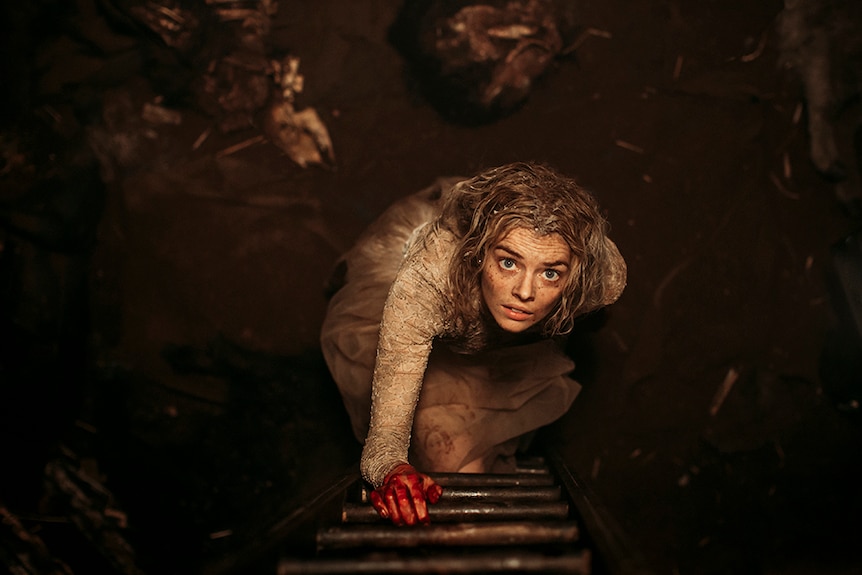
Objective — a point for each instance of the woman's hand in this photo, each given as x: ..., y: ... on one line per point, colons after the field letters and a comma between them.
x: 404, y: 496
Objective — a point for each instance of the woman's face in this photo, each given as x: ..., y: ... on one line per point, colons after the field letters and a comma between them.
x: 523, y: 277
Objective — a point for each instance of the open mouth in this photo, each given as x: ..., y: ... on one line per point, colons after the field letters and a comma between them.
x: 516, y: 313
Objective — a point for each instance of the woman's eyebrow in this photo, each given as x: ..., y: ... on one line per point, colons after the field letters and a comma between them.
x: 558, y: 263
x: 508, y: 250
x: 516, y: 255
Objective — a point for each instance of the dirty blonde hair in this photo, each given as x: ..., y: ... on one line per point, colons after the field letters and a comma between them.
x: 481, y: 210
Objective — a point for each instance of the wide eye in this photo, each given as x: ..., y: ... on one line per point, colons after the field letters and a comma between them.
x: 507, y: 263
x: 551, y: 275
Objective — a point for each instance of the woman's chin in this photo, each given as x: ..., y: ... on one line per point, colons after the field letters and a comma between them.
x: 514, y: 326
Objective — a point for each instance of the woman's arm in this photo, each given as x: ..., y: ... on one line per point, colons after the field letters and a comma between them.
x: 412, y: 317
x: 405, y: 339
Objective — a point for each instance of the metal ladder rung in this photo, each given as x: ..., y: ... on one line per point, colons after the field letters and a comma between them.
x: 447, y: 512
x: 576, y: 563
x: 457, y: 534
x: 532, y: 466
x: 523, y: 461
x: 493, y: 493
x: 493, y: 479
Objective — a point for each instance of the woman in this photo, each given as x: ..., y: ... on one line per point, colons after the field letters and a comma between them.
x: 444, y: 336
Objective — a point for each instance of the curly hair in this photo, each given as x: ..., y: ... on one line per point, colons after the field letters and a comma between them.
x: 480, y: 210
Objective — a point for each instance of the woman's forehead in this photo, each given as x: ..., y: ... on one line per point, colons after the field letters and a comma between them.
x: 529, y: 242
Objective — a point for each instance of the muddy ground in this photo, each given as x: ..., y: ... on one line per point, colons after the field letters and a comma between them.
x: 183, y: 338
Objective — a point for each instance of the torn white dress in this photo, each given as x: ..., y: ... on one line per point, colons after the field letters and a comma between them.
x: 388, y: 345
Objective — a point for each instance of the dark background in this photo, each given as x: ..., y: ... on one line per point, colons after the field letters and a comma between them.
x: 161, y: 311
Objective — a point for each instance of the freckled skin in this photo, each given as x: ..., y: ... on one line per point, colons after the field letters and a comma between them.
x: 523, y: 277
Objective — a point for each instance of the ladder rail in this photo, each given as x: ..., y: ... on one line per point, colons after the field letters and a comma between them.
x: 617, y: 551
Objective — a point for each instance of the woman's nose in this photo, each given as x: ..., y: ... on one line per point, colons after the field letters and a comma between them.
x: 524, y: 288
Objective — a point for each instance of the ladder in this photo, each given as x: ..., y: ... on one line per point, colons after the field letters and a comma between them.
x: 540, y: 519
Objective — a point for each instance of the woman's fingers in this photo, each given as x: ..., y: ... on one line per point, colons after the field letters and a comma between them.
x: 406, y: 502
x: 433, y: 492
x: 379, y: 505
x: 417, y: 497
x: 404, y: 496
x: 393, y: 505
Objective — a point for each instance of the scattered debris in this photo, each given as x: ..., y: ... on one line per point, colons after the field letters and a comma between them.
x: 12, y: 157
x: 820, y: 41
x: 723, y: 390
x: 286, y: 75
x: 91, y: 508
x: 629, y: 146
x: 302, y: 135
x: 757, y: 51
x: 241, y: 79
x: 241, y: 146
x: 782, y: 188
x: 201, y: 139
x: 24, y: 552
x: 155, y: 113
x: 478, y: 62
x: 677, y: 68
x: 788, y: 169
x: 583, y: 36
x: 233, y: 89
x: 176, y: 26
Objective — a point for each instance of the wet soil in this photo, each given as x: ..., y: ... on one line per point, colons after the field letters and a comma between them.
x: 204, y: 403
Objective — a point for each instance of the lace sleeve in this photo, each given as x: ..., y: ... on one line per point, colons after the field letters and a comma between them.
x: 412, y: 317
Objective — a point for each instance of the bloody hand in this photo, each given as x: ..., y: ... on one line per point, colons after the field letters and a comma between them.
x: 404, y: 496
